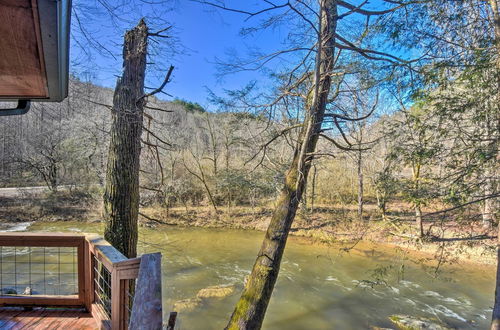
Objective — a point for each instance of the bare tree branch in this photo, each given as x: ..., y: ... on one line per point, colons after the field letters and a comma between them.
x: 159, y: 89
x: 248, y: 13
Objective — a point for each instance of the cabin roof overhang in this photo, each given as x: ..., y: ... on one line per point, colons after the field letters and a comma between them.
x: 34, y: 43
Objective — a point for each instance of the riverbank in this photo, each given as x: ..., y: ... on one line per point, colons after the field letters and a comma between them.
x: 448, y: 242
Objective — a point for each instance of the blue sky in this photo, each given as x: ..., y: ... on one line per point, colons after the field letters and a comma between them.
x: 203, y: 34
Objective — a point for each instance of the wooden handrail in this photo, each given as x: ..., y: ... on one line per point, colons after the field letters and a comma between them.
x: 92, y: 249
x: 122, y: 270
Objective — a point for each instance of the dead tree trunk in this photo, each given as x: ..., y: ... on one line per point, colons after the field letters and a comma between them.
x: 251, y: 308
x: 121, y: 196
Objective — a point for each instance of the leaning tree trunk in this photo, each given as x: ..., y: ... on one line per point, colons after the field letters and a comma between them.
x: 495, y: 322
x: 121, y: 196
x: 251, y: 308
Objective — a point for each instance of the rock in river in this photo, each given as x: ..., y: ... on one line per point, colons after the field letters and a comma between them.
x: 186, y: 304
x: 406, y: 322
x: 218, y: 291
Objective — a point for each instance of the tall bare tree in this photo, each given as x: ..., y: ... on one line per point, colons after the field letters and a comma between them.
x: 121, y: 196
x: 317, y: 86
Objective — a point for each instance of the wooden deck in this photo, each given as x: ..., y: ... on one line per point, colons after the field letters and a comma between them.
x: 83, y: 272
x: 42, y: 318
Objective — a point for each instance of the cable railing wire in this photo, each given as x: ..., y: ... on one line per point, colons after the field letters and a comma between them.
x: 31, y: 271
x: 102, y: 286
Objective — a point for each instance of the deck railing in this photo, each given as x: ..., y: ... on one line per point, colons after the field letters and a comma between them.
x: 79, y: 270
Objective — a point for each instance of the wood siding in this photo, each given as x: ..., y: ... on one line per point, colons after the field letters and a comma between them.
x: 22, y: 69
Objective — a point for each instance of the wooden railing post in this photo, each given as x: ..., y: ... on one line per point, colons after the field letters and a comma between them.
x: 147, y: 308
x: 89, y: 277
x: 121, y: 271
x: 116, y: 300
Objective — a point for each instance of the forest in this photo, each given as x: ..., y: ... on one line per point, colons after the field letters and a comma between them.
x: 413, y: 158
x: 374, y: 121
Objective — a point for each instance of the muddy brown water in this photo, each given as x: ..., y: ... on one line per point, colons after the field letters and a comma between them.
x: 319, y: 286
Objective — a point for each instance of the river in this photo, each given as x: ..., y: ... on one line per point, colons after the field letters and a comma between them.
x: 319, y: 286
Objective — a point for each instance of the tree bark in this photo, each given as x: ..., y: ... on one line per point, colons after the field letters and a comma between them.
x: 313, y: 188
x: 359, y: 164
x: 488, y: 214
x: 418, y: 220
x: 53, y: 176
x: 495, y: 321
x: 496, y: 27
x: 491, y: 204
x: 381, y: 203
x: 203, y: 180
x: 121, y: 196
x: 251, y: 308
x: 418, y: 209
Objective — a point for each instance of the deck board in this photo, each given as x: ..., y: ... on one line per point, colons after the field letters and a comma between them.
x: 43, y: 318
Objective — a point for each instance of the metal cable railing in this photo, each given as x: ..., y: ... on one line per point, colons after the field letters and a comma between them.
x: 80, y: 270
x: 129, y: 302
x: 103, y: 291
x: 31, y: 271
x: 102, y: 287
